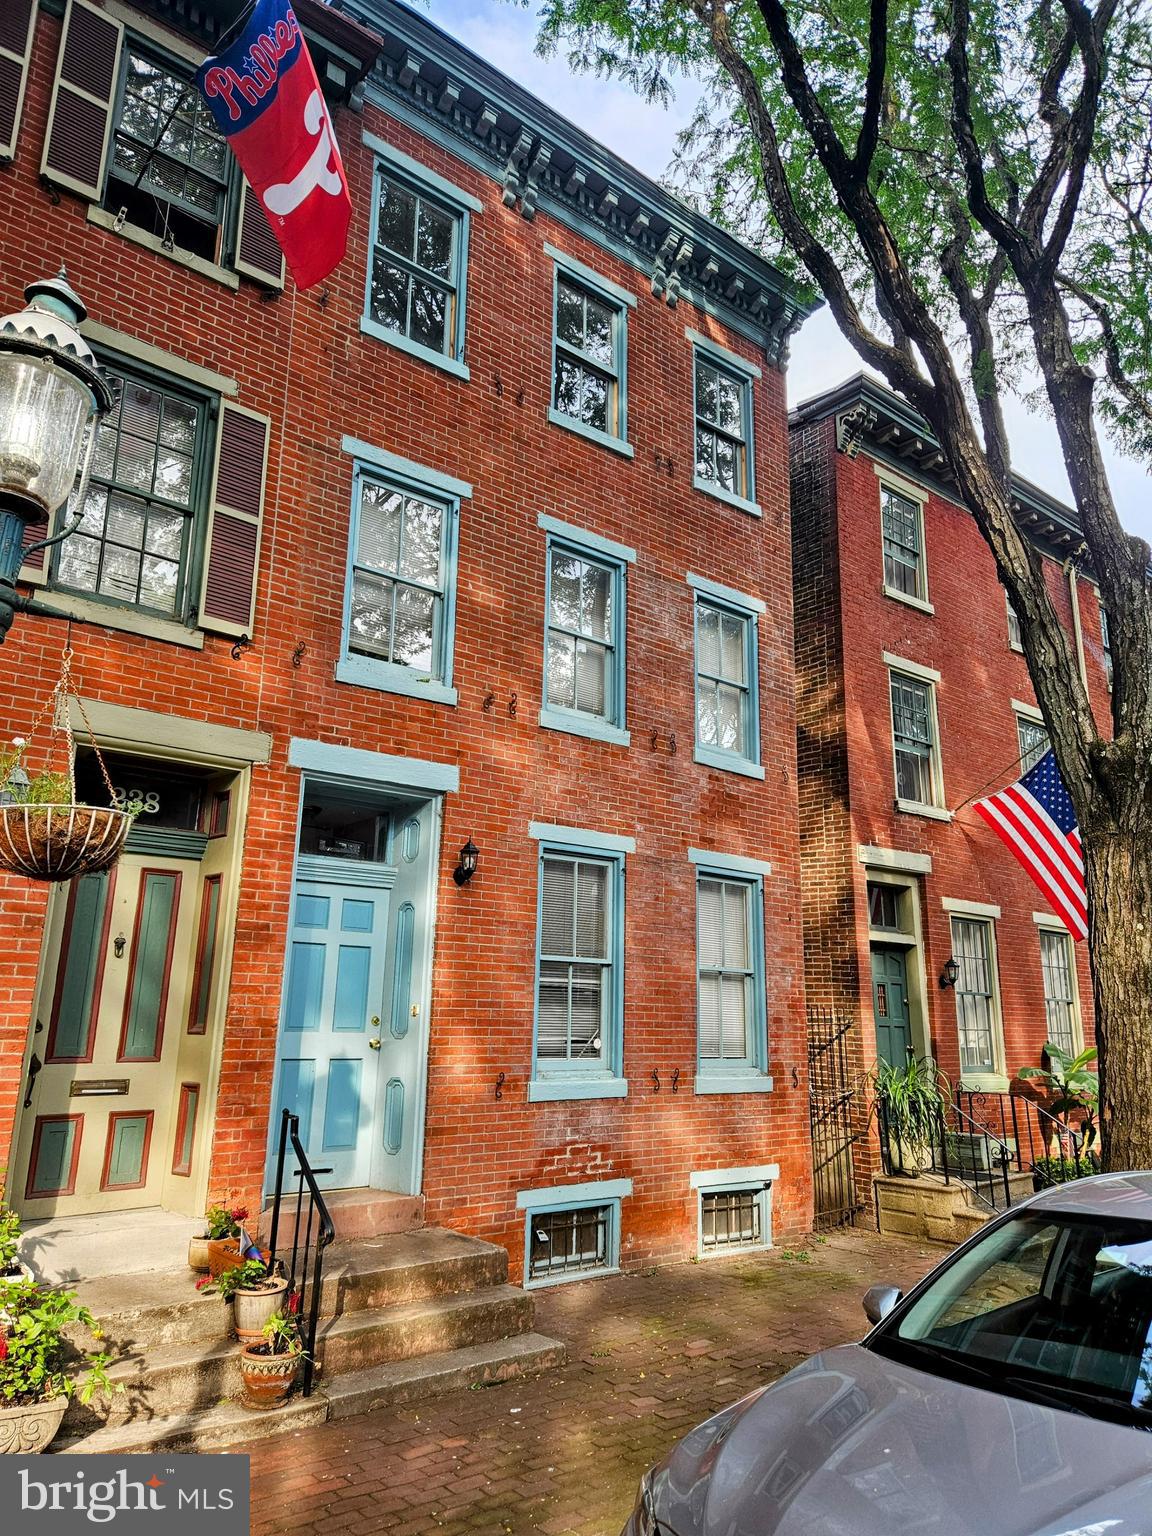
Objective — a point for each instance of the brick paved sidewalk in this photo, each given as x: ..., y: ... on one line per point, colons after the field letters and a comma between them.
x: 651, y: 1354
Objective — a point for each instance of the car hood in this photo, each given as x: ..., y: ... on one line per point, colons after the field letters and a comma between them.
x: 852, y: 1444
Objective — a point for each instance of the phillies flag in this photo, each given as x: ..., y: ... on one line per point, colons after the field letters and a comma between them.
x: 263, y: 92
x: 1035, y: 818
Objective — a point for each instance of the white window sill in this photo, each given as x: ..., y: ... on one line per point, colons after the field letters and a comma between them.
x: 706, y: 1255
x: 543, y: 1282
x: 550, y: 1089
x: 403, y: 343
x: 908, y: 600
x: 1012, y: 646
x: 914, y: 808
x: 718, y: 493
x: 218, y: 274
x: 983, y: 1082
x: 585, y: 725
x: 728, y: 763
x: 129, y: 620
x: 384, y: 677
x: 733, y: 1082
x: 593, y: 434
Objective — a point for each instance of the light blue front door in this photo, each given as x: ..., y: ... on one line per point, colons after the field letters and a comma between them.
x: 329, y: 1049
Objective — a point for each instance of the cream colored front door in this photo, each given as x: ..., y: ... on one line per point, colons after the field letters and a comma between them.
x: 106, y: 1119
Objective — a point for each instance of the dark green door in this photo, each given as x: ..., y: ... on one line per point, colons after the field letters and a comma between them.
x: 890, y: 1004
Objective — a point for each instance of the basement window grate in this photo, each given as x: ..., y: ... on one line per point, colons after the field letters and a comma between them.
x: 569, y: 1242
x: 730, y: 1218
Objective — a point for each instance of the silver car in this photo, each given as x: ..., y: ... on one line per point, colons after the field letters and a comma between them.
x: 1009, y: 1394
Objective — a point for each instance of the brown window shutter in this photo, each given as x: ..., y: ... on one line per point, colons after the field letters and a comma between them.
x: 34, y: 571
x: 17, y: 24
x: 79, y: 120
x: 228, y: 593
x: 257, y: 253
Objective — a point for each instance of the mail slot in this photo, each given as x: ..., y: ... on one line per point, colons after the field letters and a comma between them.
x: 96, y: 1087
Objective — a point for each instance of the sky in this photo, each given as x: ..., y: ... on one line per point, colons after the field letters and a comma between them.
x: 505, y: 34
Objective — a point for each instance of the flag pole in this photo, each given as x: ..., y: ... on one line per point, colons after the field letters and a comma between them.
x: 997, y: 778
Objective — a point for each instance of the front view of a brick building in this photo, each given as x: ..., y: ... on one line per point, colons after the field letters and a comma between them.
x: 485, y: 540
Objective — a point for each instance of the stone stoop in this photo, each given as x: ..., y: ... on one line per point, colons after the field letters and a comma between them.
x: 403, y: 1317
x: 928, y: 1209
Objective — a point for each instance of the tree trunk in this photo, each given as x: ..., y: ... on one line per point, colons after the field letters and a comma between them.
x: 1118, y: 863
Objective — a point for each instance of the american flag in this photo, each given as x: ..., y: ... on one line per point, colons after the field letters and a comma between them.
x: 1035, y: 818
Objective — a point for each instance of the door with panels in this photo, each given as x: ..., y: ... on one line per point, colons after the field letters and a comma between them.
x: 890, y: 1005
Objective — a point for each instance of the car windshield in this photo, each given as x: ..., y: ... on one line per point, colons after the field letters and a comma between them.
x: 1053, y: 1307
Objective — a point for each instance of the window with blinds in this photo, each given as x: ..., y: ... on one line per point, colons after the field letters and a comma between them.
x: 723, y: 681
x: 977, y: 1007
x: 727, y: 1009
x: 1060, y: 1000
x: 398, y: 579
x: 1032, y: 736
x: 576, y: 985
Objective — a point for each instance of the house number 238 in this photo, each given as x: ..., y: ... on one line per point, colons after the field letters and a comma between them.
x: 149, y: 802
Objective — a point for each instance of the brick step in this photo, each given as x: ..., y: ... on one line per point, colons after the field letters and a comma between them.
x: 382, y: 1386
x: 410, y: 1266
x: 360, y: 1339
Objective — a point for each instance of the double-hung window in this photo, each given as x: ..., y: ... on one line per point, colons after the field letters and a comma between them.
x: 902, y: 524
x: 1032, y: 737
x: 914, y: 741
x: 727, y: 665
x: 723, y: 452
x: 148, y: 479
x: 731, y: 1038
x: 584, y: 665
x: 1015, y: 637
x: 580, y: 962
x: 400, y: 603
x: 1061, y: 999
x: 589, y: 368
x: 418, y: 263
x: 977, y: 996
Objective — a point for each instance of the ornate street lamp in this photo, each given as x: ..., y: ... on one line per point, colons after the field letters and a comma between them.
x: 52, y: 397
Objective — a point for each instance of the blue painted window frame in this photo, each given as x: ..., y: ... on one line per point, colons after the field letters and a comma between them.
x: 748, y: 762
x: 433, y: 189
x: 373, y: 672
x: 750, y: 1073
x: 558, y: 1079
x: 580, y: 277
x: 581, y: 1196
x: 724, y: 363
x: 611, y: 726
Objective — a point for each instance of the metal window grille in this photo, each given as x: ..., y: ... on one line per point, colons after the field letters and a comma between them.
x: 723, y: 692
x: 730, y: 1218
x: 1033, y: 739
x: 581, y: 634
x: 132, y: 542
x: 569, y: 1242
x: 397, y: 610
x: 913, y: 740
x: 722, y: 415
x: 903, y: 554
x: 975, y: 993
x: 575, y: 983
x: 726, y: 969
x: 588, y: 333
x: 1059, y: 989
x: 415, y: 266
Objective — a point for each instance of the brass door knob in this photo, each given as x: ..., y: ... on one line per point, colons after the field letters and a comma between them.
x: 374, y: 1043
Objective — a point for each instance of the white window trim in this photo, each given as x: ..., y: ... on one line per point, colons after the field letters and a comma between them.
x: 908, y: 488
x: 914, y: 669
x: 963, y: 908
x: 1054, y: 925
x: 1029, y: 711
x: 910, y: 492
x: 1050, y: 920
x: 995, y: 1081
x: 938, y: 812
x: 1013, y: 645
x: 895, y: 858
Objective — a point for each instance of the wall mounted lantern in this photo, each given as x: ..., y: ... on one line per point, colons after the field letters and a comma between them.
x: 52, y: 398
x: 467, y: 863
x: 950, y: 974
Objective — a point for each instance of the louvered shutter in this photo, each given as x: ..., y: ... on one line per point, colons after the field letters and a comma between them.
x: 80, y: 117
x: 257, y: 253
x: 17, y: 24
x: 33, y: 573
x: 228, y: 592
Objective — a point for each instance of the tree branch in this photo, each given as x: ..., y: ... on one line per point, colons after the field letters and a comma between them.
x: 873, y: 89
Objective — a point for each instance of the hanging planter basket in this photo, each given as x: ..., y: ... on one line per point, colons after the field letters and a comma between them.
x: 45, y: 834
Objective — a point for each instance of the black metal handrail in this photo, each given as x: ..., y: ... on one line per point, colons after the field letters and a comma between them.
x: 1050, y: 1149
x: 984, y: 1170
x: 304, y: 1290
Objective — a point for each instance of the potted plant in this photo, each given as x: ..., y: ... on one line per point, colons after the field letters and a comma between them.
x: 255, y: 1296
x: 34, y: 1388
x: 223, y: 1240
x: 1072, y: 1092
x: 12, y: 1271
x: 269, y: 1367
x: 46, y: 833
x: 909, y: 1099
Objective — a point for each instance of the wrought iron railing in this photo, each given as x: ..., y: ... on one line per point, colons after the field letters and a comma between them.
x: 304, y: 1286
x: 1052, y: 1150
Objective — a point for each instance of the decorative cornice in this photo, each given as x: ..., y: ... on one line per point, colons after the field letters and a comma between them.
x: 430, y: 81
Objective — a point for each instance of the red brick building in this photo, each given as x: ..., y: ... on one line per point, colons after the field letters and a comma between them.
x: 485, y: 540
x: 913, y: 699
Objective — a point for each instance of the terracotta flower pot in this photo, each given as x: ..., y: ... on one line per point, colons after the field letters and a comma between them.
x: 198, y: 1252
x: 59, y: 842
x: 30, y: 1427
x: 223, y: 1253
x: 268, y: 1379
x: 251, y: 1309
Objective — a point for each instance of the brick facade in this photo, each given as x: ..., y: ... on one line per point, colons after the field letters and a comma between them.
x: 303, y: 361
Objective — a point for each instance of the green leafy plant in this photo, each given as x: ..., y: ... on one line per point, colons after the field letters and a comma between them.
x: 910, y: 1096
x: 22, y: 788
x: 1061, y: 1170
x: 1072, y: 1091
x: 251, y: 1275
x: 10, y: 1233
x: 35, y: 1351
x: 224, y: 1221
x: 282, y: 1336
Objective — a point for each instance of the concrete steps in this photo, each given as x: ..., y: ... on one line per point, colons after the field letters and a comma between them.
x: 403, y: 1317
